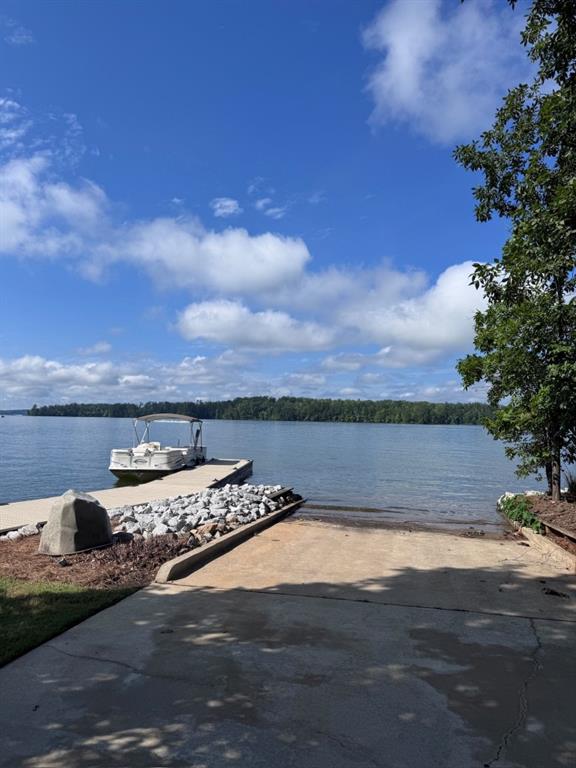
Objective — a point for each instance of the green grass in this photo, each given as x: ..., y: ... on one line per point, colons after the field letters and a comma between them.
x: 517, y: 508
x: 32, y: 612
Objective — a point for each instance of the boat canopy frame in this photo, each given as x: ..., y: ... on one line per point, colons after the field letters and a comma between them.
x: 195, y: 435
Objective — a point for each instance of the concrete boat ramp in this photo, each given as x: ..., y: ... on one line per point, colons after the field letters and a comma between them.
x: 314, y: 645
x: 211, y: 474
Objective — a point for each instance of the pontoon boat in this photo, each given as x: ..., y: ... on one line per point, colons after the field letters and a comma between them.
x: 149, y: 459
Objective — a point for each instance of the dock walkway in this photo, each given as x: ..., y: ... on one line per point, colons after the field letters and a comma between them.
x: 212, y: 474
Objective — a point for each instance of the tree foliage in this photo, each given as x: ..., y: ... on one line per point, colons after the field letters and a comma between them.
x: 288, y: 409
x: 526, y: 338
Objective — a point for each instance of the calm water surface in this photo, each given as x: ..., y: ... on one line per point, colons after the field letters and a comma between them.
x: 418, y: 473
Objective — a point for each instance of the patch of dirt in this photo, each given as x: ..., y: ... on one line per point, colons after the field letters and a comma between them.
x: 131, y: 564
x: 560, y: 514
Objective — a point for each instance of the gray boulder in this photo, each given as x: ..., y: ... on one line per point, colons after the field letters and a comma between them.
x: 160, y: 529
x: 76, y: 522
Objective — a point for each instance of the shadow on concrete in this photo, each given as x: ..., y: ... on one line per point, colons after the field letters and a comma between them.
x: 310, y: 675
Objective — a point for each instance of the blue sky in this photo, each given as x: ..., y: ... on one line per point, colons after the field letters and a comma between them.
x: 214, y: 199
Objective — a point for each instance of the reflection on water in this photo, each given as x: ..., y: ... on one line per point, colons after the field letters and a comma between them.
x: 453, y: 474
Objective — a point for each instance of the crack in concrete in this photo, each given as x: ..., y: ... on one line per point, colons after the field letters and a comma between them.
x: 522, y: 700
x: 350, y: 746
x: 371, y: 601
x: 124, y: 664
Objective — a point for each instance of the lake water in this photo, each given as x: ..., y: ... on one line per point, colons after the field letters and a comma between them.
x: 446, y: 474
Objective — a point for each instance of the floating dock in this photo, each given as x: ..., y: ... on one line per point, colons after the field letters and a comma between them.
x: 211, y: 474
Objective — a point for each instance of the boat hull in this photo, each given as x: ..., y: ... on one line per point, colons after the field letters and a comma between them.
x: 149, y: 464
x: 141, y: 475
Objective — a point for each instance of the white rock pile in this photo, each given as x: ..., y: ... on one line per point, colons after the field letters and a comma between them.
x: 21, y: 533
x: 226, y: 508
x: 204, y: 515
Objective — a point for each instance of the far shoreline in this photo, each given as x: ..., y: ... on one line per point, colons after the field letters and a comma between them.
x: 289, y: 409
x: 271, y: 421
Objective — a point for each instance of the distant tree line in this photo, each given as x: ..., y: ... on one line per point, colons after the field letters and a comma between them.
x: 289, y: 409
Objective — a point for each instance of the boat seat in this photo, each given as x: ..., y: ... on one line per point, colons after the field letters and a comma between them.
x: 145, y: 447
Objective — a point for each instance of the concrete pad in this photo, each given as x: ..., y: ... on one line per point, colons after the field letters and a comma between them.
x: 303, y: 663
x: 396, y: 567
x: 183, y: 565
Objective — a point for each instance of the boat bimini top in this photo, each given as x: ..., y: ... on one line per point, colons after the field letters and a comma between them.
x: 195, y: 435
x: 166, y: 417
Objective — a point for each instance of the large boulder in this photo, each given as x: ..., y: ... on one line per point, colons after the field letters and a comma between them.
x: 76, y: 522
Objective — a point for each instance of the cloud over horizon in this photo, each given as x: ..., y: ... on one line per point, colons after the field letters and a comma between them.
x: 45, y: 217
x: 33, y: 379
x: 248, y: 296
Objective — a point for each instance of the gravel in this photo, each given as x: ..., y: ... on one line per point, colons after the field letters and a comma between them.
x: 205, y: 515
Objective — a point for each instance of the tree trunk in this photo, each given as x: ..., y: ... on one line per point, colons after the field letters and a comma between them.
x: 556, y: 474
x: 549, y: 477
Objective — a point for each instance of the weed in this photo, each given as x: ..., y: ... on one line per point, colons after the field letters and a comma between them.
x: 517, y: 508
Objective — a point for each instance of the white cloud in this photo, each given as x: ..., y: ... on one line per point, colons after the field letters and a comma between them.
x: 224, y: 207
x: 265, y: 204
x: 181, y: 252
x: 232, y: 323
x: 445, y: 391
x: 350, y: 392
x: 259, y: 186
x: 335, y: 288
x: 32, y: 375
x: 413, y: 323
x: 81, y: 207
x: 370, y: 378
x: 313, y: 380
x: 397, y: 310
x: 56, y: 135
x: 342, y: 362
x: 317, y: 197
x: 432, y: 323
x: 252, y: 282
x: 136, y: 381
x: 14, y: 33
x: 99, y: 348
x: 46, y: 218
x: 35, y: 379
x: 445, y: 65
x: 277, y: 212
x: 14, y: 123
x: 32, y: 378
